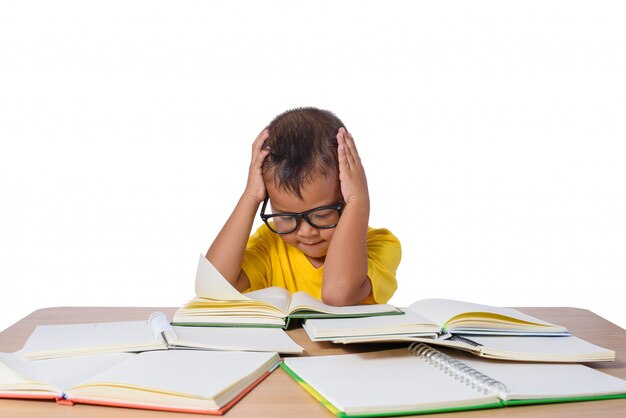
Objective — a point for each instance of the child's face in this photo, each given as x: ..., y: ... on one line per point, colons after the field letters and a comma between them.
x: 313, y: 242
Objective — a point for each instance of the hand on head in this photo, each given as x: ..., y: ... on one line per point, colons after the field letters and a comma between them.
x: 351, y: 172
x: 255, y: 187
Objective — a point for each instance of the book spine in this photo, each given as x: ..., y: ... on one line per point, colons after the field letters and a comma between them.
x: 458, y: 370
x: 63, y: 400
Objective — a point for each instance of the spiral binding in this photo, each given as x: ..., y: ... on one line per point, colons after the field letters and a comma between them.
x: 456, y: 337
x: 458, y: 370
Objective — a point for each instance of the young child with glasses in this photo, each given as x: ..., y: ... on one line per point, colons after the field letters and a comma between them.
x: 305, y: 166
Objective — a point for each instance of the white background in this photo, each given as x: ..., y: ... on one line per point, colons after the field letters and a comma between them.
x: 493, y: 134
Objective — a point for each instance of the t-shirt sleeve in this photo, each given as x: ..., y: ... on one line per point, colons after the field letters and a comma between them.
x: 256, y: 260
x: 383, y: 258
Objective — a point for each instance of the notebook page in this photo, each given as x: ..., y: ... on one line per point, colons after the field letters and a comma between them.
x: 384, y: 382
x: 235, y: 338
x: 61, y: 373
x: 95, y: 337
x: 211, y: 284
x: 546, y: 380
x: 204, y: 374
x: 304, y: 301
x: 565, y: 347
x: 410, y: 322
x: 9, y: 377
x: 442, y: 310
x: 276, y: 296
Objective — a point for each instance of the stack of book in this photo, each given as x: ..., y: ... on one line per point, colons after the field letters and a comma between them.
x: 487, y: 331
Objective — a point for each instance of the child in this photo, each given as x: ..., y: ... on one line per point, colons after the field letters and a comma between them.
x: 317, y: 237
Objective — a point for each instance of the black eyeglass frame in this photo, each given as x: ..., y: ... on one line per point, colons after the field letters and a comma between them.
x: 299, y: 216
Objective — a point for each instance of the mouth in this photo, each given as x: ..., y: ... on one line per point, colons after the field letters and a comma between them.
x: 310, y: 244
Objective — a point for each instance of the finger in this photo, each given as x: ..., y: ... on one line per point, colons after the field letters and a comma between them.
x: 344, y: 139
x: 264, y: 133
x: 260, y: 140
x: 260, y: 157
x: 351, y: 146
x: 341, y: 152
x: 258, y: 152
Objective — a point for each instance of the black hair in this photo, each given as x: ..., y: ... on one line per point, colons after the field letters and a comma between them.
x: 303, y: 145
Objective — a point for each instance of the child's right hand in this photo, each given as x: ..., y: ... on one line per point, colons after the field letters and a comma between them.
x: 255, y: 187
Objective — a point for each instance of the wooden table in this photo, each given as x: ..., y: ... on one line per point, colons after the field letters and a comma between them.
x: 280, y: 396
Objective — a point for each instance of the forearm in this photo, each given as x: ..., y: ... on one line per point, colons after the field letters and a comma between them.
x: 345, y: 280
x: 226, y: 252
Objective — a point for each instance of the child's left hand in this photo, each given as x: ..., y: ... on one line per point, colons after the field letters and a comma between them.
x: 351, y: 172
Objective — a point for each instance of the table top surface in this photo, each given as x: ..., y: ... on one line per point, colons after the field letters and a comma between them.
x: 279, y: 395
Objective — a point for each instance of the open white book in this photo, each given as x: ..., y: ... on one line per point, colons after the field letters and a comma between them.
x: 430, y: 317
x: 207, y: 382
x: 562, y: 349
x: 217, y: 303
x: 424, y: 380
x: 51, y: 341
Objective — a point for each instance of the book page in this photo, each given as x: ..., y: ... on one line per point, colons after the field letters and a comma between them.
x: 59, y: 374
x: 547, y: 381
x: 212, y: 285
x: 49, y: 341
x: 213, y: 375
x: 410, y: 323
x: 384, y: 382
x: 529, y: 348
x: 446, y: 311
x: 400, y: 338
x: 233, y: 338
x: 275, y: 296
x: 10, y: 378
x: 566, y: 348
x: 302, y: 301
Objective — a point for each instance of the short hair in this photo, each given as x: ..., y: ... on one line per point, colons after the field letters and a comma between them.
x: 303, y: 146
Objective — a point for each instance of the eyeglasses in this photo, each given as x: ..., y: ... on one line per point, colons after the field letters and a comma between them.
x: 324, y: 217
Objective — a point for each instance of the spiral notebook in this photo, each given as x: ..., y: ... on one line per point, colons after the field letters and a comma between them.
x: 421, y: 380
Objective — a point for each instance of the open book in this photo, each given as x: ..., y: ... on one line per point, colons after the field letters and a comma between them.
x: 217, y: 303
x: 565, y: 349
x: 51, y: 341
x: 431, y: 317
x: 206, y: 382
x: 423, y: 380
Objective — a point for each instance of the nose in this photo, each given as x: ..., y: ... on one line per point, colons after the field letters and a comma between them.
x: 307, y: 230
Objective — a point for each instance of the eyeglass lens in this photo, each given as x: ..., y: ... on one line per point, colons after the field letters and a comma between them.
x: 322, y: 218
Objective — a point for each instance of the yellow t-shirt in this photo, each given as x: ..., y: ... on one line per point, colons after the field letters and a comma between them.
x: 269, y: 261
